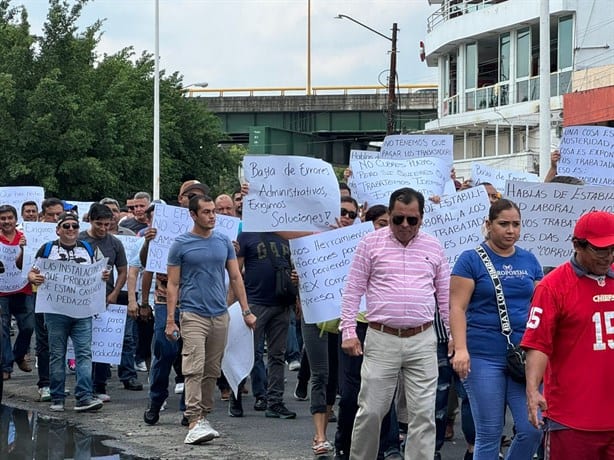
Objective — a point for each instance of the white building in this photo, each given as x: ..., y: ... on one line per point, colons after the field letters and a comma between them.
x: 487, y: 55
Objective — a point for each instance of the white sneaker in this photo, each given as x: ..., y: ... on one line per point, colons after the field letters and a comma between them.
x: 44, y: 394
x: 105, y: 398
x: 179, y: 387
x: 294, y: 365
x: 140, y: 367
x: 202, y: 432
x: 57, y: 406
x: 207, y: 425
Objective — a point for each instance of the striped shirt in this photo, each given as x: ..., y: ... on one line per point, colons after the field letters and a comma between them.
x: 402, y: 284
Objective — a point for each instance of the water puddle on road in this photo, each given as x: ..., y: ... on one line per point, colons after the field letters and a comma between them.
x: 28, y: 435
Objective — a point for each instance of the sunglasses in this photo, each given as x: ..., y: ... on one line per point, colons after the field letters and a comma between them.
x: 350, y: 214
x: 411, y: 220
x: 67, y: 226
x: 130, y: 208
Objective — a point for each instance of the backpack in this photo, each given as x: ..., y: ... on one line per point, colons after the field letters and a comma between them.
x: 85, y: 244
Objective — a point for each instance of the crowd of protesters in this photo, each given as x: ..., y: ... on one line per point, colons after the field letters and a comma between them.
x: 428, y: 328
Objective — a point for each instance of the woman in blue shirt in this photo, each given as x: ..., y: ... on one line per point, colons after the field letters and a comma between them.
x: 479, y: 345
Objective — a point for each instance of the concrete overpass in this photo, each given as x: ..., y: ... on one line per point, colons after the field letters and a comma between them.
x: 326, y: 124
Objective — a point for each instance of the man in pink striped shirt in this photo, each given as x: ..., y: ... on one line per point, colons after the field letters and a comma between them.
x: 404, y: 275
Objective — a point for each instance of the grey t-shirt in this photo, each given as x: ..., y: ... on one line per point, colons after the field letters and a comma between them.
x: 110, y: 247
x: 203, y: 265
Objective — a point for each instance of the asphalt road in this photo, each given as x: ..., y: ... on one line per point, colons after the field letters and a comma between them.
x: 251, y: 437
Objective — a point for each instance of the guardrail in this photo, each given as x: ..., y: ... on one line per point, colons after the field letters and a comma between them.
x: 315, y: 90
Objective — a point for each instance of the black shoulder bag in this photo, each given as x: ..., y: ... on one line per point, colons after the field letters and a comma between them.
x: 285, y: 290
x: 515, y: 357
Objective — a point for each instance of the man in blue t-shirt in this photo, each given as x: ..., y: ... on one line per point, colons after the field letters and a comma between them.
x: 196, y: 264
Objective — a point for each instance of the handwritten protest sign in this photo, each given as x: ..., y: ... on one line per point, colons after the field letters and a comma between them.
x: 11, y: 278
x: 374, y: 180
x: 587, y: 152
x: 16, y: 196
x: 289, y: 193
x: 83, y: 207
x: 172, y: 221
x: 399, y: 146
x: 169, y: 222
x: 322, y: 262
x: 481, y: 173
x: 238, y: 357
x: 37, y: 234
x: 457, y: 220
x: 71, y: 289
x: 549, y: 213
x: 107, y: 335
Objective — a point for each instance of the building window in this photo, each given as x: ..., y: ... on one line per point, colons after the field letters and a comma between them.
x: 565, y: 39
x: 504, y: 57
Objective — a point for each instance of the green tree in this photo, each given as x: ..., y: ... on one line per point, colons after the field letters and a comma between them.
x: 81, y: 125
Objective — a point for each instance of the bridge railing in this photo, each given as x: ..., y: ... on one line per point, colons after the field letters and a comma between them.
x: 315, y: 90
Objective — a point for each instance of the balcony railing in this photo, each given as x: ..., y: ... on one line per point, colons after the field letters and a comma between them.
x: 454, y: 8
x: 498, y: 95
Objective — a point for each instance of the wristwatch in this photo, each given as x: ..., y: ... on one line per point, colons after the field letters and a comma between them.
x: 246, y: 312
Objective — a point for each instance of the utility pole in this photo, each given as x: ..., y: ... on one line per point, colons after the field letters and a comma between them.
x: 392, y: 79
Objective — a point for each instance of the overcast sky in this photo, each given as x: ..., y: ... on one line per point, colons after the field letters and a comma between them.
x: 263, y: 43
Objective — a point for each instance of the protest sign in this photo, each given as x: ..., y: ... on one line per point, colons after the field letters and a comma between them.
x: 71, y: 289
x: 16, y: 196
x: 227, y: 225
x: 374, y: 180
x: 37, y: 234
x: 172, y: 221
x: 549, y: 213
x: 587, y: 152
x: 169, y: 222
x: 107, y: 335
x: 238, y: 359
x: 481, y: 173
x: 131, y: 244
x: 11, y: 278
x: 457, y: 220
x: 289, y: 193
x: 83, y: 207
x: 399, y: 146
x: 322, y: 262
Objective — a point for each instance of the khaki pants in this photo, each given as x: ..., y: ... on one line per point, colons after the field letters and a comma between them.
x: 204, y: 340
x: 384, y: 356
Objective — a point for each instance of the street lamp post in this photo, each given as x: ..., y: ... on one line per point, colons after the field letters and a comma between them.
x: 392, y: 97
x: 187, y: 89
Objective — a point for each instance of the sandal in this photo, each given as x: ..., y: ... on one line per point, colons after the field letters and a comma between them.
x: 321, y: 447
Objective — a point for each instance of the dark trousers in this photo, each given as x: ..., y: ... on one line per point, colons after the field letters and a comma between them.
x: 272, y: 324
x: 42, y: 350
x: 448, y: 377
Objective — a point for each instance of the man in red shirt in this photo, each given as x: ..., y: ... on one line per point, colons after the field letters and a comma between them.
x: 570, y: 345
x: 15, y: 295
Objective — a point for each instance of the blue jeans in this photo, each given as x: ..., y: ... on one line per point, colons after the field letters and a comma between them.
x: 125, y: 370
x: 21, y: 306
x: 448, y: 377
x: 258, y: 374
x: 164, y: 354
x: 490, y: 390
x: 59, y: 328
